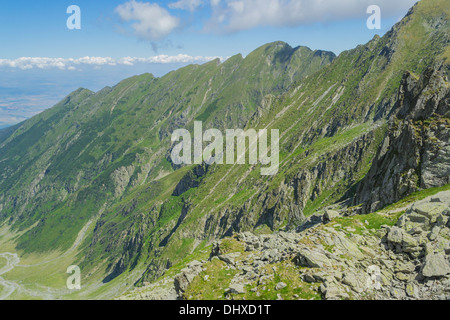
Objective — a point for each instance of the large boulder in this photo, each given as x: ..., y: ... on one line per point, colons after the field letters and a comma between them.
x: 436, y: 265
x: 236, y: 288
x: 330, y: 215
x: 401, y: 240
x: 313, y: 259
x: 182, y: 280
x: 280, y: 285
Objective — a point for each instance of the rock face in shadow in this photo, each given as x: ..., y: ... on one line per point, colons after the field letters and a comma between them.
x: 191, y: 180
x: 415, y: 153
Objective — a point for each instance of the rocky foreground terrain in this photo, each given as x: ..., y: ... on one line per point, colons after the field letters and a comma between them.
x: 332, y: 256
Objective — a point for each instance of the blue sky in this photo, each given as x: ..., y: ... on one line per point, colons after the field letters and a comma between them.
x: 41, y: 60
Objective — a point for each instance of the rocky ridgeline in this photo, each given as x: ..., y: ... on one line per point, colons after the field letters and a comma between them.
x: 410, y: 260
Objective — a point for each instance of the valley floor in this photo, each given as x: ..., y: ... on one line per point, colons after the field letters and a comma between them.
x: 44, y: 276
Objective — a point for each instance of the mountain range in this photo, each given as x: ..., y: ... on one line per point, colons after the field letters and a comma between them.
x: 90, y: 182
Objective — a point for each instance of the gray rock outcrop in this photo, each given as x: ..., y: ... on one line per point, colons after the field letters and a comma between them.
x: 416, y: 150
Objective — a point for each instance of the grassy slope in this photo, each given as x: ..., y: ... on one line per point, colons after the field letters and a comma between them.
x: 68, y: 154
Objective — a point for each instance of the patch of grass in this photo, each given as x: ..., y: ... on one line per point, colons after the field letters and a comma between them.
x: 202, y: 252
x: 446, y: 55
x: 213, y: 288
x: 2, y: 262
x: 179, y: 248
x: 262, y: 229
x: 229, y: 245
x: 211, y: 284
x: 372, y: 221
x: 387, y: 216
x: 416, y: 196
x: 287, y: 273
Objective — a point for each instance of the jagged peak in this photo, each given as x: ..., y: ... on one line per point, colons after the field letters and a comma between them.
x: 283, y: 52
x: 77, y: 93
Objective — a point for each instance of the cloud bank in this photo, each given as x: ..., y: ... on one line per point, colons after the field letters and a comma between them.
x: 26, y: 63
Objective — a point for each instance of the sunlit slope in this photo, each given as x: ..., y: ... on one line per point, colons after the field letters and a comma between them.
x: 331, y: 127
x: 67, y: 164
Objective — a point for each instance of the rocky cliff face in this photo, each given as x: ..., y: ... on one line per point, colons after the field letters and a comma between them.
x: 416, y: 151
x: 284, y: 206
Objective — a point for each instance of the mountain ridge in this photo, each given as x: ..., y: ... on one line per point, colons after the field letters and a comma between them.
x: 91, y: 105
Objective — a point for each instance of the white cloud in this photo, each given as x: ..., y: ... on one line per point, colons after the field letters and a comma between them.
x: 26, y: 63
x: 190, y: 5
x: 151, y: 22
x: 236, y: 15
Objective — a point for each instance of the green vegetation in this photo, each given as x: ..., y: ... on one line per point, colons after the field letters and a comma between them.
x: 287, y: 273
x: 2, y: 262
x: 416, y: 196
x: 104, y: 157
x: 371, y: 222
x: 212, y: 283
x: 387, y: 216
x: 229, y: 245
x: 214, y: 287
